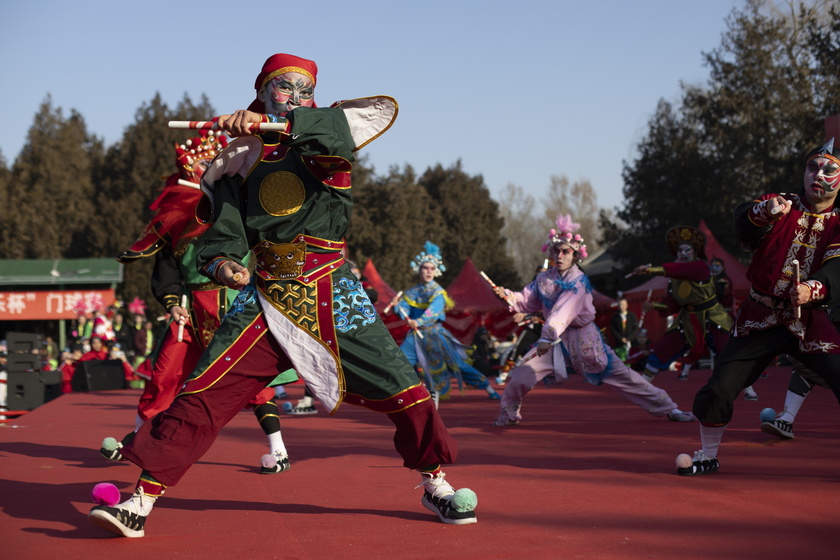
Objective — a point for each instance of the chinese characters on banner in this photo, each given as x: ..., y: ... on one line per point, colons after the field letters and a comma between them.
x: 54, y: 304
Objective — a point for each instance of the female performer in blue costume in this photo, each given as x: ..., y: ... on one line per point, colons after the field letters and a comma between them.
x: 429, y: 344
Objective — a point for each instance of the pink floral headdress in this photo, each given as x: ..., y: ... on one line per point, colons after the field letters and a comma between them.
x: 565, y: 234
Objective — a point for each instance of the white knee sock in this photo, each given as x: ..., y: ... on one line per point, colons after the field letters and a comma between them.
x: 275, y: 442
x: 793, y: 402
x: 710, y: 437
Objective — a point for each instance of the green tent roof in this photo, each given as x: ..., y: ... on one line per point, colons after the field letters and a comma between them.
x: 57, y: 272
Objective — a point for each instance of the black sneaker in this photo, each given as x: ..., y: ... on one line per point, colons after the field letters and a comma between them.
x: 778, y: 428
x: 111, y: 449
x: 118, y: 520
x: 443, y: 508
x: 112, y: 454
x: 282, y: 464
x: 700, y: 465
x: 303, y: 410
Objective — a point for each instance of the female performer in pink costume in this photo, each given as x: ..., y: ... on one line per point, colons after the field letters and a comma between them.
x: 564, y: 295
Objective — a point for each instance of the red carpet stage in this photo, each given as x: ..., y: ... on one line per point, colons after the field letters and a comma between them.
x: 587, y: 475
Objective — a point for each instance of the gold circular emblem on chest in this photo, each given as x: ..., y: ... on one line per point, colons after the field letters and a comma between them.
x: 282, y: 193
x: 684, y: 289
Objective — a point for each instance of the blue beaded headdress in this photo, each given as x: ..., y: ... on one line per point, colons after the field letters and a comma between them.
x: 430, y: 253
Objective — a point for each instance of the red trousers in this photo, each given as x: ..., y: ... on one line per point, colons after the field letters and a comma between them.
x: 168, y: 445
x: 173, y: 364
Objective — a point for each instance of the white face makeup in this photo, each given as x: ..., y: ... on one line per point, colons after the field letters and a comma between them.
x: 427, y: 272
x: 563, y: 257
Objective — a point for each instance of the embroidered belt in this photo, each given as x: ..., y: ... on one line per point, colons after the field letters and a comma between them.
x: 703, y: 306
x: 204, y: 286
x: 295, y: 261
x: 767, y: 300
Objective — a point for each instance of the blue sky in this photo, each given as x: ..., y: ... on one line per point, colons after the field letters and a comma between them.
x: 518, y: 91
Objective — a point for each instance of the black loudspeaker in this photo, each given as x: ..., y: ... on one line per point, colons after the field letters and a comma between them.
x: 29, y: 390
x: 98, y: 375
x: 23, y: 342
x: 24, y: 363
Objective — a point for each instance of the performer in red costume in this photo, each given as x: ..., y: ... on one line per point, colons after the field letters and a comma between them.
x: 195, y: 305
x: 784, y: 314
x: 288, y: 197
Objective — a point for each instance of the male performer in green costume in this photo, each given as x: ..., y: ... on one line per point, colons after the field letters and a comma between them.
x: 287, y: 196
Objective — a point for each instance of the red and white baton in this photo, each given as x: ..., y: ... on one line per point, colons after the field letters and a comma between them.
x: 211, y: 125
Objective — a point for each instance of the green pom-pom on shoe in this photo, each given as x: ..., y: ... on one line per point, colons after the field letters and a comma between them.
x: 464, y: 500
x: 109, y: 444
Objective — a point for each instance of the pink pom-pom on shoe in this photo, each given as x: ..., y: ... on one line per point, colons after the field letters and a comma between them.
x: 268, y: 461
x: 105, y: 494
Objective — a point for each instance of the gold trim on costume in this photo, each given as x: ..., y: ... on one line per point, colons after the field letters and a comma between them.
x: 285, y: 69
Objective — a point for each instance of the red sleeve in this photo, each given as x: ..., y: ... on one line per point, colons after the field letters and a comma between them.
x: 697, y: 271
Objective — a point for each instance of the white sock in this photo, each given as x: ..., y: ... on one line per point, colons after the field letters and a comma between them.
x: 793, y: 403
x: 710, y: 437
x: 490, y: 390
x: 140, y: 503
x: 275, y: 442
x: 138, y: 422
x: 305, y: 402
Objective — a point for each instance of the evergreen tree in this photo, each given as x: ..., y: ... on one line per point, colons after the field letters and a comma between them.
x: 395, y: 215
x: 55, y: 197
x: 132, y: 175
x: 472, y: 221
x: 743, y: 134
x: 392, y: 218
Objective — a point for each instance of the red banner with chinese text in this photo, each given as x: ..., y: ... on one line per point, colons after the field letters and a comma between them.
x: 53, y: 304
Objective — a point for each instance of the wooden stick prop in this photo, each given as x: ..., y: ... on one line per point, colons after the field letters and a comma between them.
x: 532, y: 353
x: 797, y: 310
x: 487, y: 278
x: 492, y: 285
x: 389, y: 306
x: 181, y: 321
x: 210, y: 125
x: 401, y: 314
x: 633, y: 273
x: 644, y: 311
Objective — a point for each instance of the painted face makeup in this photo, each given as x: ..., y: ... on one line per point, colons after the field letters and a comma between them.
x: 286, y: 92
x: 822, y: 177
x: 685, y: 253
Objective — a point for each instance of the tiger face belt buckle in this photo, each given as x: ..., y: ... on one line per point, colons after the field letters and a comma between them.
x: 281, y: 260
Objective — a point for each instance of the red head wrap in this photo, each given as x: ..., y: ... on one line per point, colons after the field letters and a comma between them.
x: 280, y: 64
